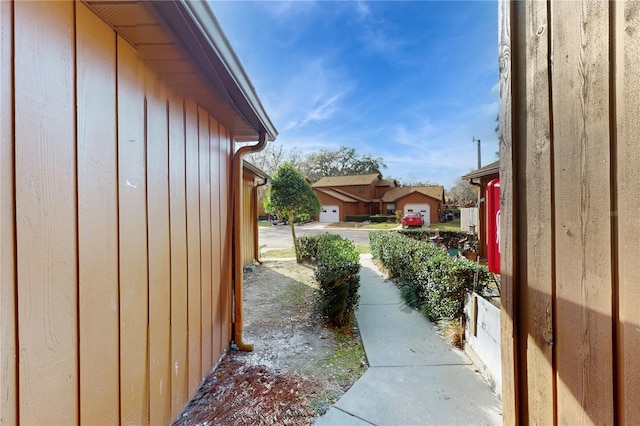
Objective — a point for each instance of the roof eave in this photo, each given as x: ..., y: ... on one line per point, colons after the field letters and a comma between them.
x: 200, y: 30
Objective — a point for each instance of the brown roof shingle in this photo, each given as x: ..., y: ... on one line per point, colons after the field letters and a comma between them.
x: 350, y: 180
x: 394, y: 194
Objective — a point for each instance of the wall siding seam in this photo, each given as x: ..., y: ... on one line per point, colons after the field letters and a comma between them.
x: 14, y: 224
x: 118, y: 242
x: 613, y: 219
x: 169, y: 331
x: 77, y: 209
x: 186, y: 242
x: 554, y: 329
x: 146, y: 210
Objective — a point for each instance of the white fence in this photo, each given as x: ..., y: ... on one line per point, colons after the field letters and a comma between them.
x: 482, y: 338
x: 469, y: 217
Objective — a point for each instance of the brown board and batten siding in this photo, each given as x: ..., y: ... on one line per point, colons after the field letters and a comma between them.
x: 116, y: 233
x: 570, y: 169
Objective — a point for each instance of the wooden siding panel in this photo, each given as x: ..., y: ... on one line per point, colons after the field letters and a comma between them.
x: 157, y: 140
x: 580, y: 79
x: 627, y: 211
x: 226, y: 221
x: 193, y: 244
x: 247, y: 229
x: 216, y: 244
x: 205, y: 240
x: 134, y: 368
x: 8, y: 358
x: 97, y: 220
x: 536, y: 237
x: 179, y: 282
x: 511, y: 398
x: 46, y: 212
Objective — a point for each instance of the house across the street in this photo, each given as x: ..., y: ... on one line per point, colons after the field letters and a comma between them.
x: 370, y: 194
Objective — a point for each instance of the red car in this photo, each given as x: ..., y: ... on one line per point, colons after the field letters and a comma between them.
x: 412, y: 219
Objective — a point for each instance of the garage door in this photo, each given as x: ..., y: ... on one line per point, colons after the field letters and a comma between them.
x: 424, y: 210
x: 330, y: 214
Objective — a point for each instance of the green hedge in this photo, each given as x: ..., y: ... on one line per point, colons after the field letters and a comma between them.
x: 449, y: 239
x: 309, y: 245
x: 337, y: 272
x: 383, y: 218
x: 357, y: 218
x: 429, y: 279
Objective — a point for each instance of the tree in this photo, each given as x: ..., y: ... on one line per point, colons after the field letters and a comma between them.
x: 463, y: 193
x: 341, y: 162
x: 291, y: 195
x: 268, y: 159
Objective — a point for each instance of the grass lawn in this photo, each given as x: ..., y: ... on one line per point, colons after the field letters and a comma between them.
x: 454, y: 225
x: 362, y: 225
x: 289, y: 252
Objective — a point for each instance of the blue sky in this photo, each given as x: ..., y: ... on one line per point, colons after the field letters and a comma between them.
x: 411, y: 82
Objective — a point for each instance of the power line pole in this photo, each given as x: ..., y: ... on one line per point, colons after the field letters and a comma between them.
x: 477, y: 142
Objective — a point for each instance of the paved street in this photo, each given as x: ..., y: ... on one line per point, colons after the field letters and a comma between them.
x: 279, y: 237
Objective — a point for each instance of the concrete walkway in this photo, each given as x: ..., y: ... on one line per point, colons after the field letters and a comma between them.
x: 414, y: 377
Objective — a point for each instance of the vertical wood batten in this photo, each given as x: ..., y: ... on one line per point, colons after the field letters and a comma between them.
x: 46, y: 212
x: 97, y: 220
x: 582, y: 181
x: 134, y: 379
x: 627, y: 212
x: 536, y: 229
x: 193, y: 243
x: 226, y: 222
x: 508, y: 279
x: 205, y: 240
x: 215, y: 220
x: 178, y: 227
x: 159, y: 251
x: 8, y: 323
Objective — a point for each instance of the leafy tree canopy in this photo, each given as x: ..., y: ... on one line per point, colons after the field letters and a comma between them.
x: 316, y: 165
x: 341, y: 162
x: 291, y: 196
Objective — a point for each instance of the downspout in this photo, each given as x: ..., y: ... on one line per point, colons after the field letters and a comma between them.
x: 236, y: 170
x: 256, y: 245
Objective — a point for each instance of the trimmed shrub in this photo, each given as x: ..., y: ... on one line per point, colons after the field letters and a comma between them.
x: 383, y: 218
x: 450, y: 239
x: 309, y: 245
x: 337, y: 273
x: 429, y: 279
x: 357, y: 218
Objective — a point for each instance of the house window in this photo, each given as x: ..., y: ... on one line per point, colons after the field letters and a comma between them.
x: 361, y: 190
x: 391, y: 208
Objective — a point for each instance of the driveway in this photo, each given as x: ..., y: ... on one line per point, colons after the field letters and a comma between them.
x: 279, y: 236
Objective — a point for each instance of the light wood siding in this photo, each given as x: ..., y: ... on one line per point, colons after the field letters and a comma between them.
x: 570, y: 91
x: 226, y: 237
x: 216, y: 242
x: 8, y: 331
x: 248, y: 217
x: 205, y: 240
x: 46, y: 218
x: 626, y: 205
x: 116, y: 232
x: 193, y: 244
x: 97, y: 220
x: 157, y: 142
x: 179, y: 277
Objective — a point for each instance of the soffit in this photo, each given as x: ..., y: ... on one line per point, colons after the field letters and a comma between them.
x: 185, y: 46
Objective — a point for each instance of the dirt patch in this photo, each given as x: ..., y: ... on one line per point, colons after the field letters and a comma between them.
x: 298, y: 368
